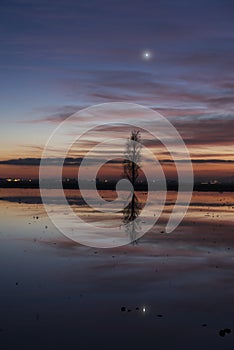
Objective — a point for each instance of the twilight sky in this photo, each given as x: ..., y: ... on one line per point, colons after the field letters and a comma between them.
x: 59, y: 56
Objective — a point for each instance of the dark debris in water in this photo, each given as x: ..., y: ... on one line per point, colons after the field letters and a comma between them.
x: 224, y: 331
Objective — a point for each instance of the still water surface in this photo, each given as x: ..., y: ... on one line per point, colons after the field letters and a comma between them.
x: 57, y: 294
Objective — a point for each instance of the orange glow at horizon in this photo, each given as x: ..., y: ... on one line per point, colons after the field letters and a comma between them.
x: 204, y: 170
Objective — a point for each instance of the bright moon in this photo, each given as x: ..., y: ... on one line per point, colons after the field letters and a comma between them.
x: 146, y: 55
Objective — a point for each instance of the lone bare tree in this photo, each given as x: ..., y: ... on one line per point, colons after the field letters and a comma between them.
x: 133, y: 157
x: 131, y: 167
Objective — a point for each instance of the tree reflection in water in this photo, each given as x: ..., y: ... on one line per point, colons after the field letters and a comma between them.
x: 131, y: 220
